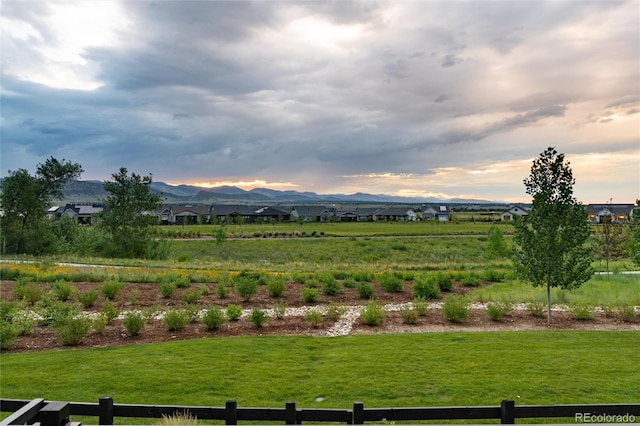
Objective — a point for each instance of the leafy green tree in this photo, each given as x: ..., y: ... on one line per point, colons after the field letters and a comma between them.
x: 24, y: 202
x: 129, y: 217
x: 550, y: 247
x: 496, y: 244
x: 633, y: 248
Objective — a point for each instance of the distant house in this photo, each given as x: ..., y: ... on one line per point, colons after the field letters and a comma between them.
x: 366, y: 214
x: 440, y: 213
x: 228, y: 212
x: 267, y: 214
x: 82, y: 213
x: 346, y: 215
x: 191, y: 214
x: 312, y: 213
x: 166, y: 216
x: 396, y: 214
x: 609, y: 213
x: 514, y: 211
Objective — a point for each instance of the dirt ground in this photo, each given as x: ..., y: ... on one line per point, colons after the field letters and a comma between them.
x: 136, y: 297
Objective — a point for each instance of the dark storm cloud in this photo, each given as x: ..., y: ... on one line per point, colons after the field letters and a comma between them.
x: 199, y: 89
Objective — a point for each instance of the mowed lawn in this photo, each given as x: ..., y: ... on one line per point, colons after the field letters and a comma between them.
x: 432, y: 369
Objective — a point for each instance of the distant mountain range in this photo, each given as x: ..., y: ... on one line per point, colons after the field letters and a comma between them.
x: 92, y: 191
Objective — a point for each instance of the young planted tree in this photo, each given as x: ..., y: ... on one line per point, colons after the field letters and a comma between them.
x: 609, y: 241
x: 550, y: 247
x: 25, y: 200
x: 633, y: 248
x: 129, y: 215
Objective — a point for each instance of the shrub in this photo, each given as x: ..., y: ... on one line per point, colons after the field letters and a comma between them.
x: 110, y: 289
x: 181, y: 282
x: 496, y: 310
x: 27, y: 291
x: 70, y: 331
x: 470, y: 280
x: 340, y: 275
x: 213, y: 318
x: 455, y: 308
x: 222, y: 290
x: 492, y: 275
x: 373, y: 314
x: 627, y: 313
x: 349, y: 283
x: 246, y: 287
x: 390, y: 283
x: 133, y: 323
x: 257, y: 317
x: 276, y: 286
x: 52, y: 311
x: 110, y: 310
x: 335, y: 311
x: 8, y: 334
x: 176, y: 319
x: 309, y: 295
x: 100, y: 322
x: 193, y: 312
x: 87, y: 298
x: 444, y: 281
x: 300, y: 277
x: 313, y: 317
x: 149, y: 313
x: 420, y: 306
x: 234, y: 312
x: 167, y: 288
x: 536, y: 309
x: 425, y: 287
x: 8, y: 309
x: 365, y: 290
x: 23, y: 322
x: 362, y: 276
x: 331, y: 287
x: 409, y: 316
x: 582, y: 312
x: 62, y: 290
x: 280, y: 310
x: 191, y: 296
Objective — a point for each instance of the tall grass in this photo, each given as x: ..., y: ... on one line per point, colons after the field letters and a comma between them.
x: 618, y: 290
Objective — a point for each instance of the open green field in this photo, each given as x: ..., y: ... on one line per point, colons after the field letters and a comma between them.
x: 436, y: 369
x: 341, y: 229
x: 380, y: 370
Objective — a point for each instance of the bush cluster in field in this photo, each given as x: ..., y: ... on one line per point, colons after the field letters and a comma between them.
x: 58, y: 303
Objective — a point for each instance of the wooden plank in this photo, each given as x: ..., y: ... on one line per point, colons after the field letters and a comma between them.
x: 26, y: 414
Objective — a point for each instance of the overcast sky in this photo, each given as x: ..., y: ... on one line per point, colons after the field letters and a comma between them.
x: 416, y: 98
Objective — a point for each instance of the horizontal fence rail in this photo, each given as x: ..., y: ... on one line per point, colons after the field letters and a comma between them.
x: 55, y: 413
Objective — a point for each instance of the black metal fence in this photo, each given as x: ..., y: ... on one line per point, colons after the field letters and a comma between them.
x: 55, y: 413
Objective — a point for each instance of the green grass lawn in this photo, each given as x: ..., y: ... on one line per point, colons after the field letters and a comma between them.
x: 437, y: 369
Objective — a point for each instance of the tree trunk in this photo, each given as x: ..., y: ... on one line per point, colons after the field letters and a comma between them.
x: 548, y: 303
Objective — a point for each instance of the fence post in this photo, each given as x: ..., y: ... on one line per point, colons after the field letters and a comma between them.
x: 55, y: 414
x: 105, y: 409
x: 231, y: 414
x: 290, y: 417
x: 358, y: 413
x: 507, y: 412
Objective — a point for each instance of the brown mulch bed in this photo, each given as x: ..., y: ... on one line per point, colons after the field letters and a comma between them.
x: 141, y: 296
